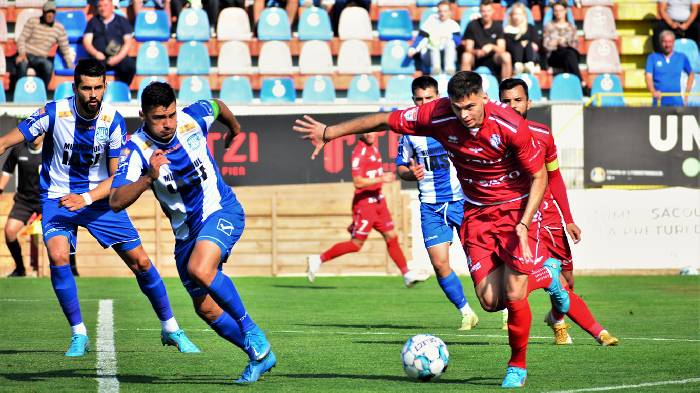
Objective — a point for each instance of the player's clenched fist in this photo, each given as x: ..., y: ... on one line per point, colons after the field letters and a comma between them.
x: 418, y: 170
x: 157, y: 160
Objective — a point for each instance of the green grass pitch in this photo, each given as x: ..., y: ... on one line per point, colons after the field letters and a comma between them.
x: 346, y: 334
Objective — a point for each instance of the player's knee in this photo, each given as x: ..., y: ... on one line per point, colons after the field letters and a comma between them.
x: 489, y: 305
x: 59, y: 257
x: 201, y: 273
x: 10, y: 235
x: 358, y: 243
x: 442, y: 267
x: 140, y: 263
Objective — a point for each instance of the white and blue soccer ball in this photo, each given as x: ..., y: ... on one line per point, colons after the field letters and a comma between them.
x: 424, y: 357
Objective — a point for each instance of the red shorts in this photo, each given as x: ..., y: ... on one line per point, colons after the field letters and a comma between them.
x: 368, y: 214
x: 554, y: 235
x: 489, y: 239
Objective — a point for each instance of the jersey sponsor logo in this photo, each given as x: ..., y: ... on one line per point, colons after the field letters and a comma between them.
x: 225, y: 226
x: 185, y: 128
x: 494, y: 182
x: 174, y: 182
x: 102, y: 134
x: 495, y: 141
x: 452, y: 139
x: 355, y: 162
x: 106, y: 118
x: 23, y: 158
x: 145, y: 144
x: 411, y: 114
x: 64, y: 114
x: 193, y: 142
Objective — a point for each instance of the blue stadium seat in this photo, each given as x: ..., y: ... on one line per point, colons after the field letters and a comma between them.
x: 60, y: 67
x: 145, y: 82
x: 468, y: 15
x: 2, y: 94
x: 533, y: 86
x: 364, y: 88
x: 194, y: 88
x: 74, y: 22
x: 395, y: 25
x: 483, y: 70
x: 63, y: 90
x: 152, y: 25
x: 318, y: 89
x: 193, y: 25
x: 566, y: 87
x: 117, y: 92
x: 607, y: 83
x: 426, y: 14
x: 274, y: 25
x: 530, y: 18
x: 152, y: 59
x: 236, y: 90
x: 71, y: 3
x: 395, y: 59
x: 695, y: 100
x: 427, y: 3
x: 193, y: 59
x: 398, y: 89
x: 490, y: 85
x: 468, y: 3
x: 442, y: 81
x: 277, y: 91
x: 30, y: 90
x: 315, y: 24
x: 690, y: 49
x: 548, y: 16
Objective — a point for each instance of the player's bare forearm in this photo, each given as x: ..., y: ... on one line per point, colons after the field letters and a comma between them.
x: 122, y: 197
x: 359, y: 125
x: 362, y: 182
x: 10, y: 139
x: 539, y: 184
x: 405, y: 173
x: 227, y: 118
x: 3, y: 181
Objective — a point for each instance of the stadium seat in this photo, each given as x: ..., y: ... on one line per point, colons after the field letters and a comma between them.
x: 233, y: 25
x: 395, y: 3
x: 193, y: 59
x: 152, y: 25
x: 236, y: 90
x: 22, y: 19
x: 3, y: 62
x: 530, y: 18
x: 467, y: 16
x: 602, y: 57
x: 483, y: 70
x: 277, y: 91
x: 274, y: 25
x: 599, y: 22
x: 63, y: 90
x: 3, y: 28
x: 693, y: 100
x: 468, y: 3
x: 364, y: 88
x: 398, y: 89
x: 117, y: 91
x: 395, y: 25
x: 395, y: 59
x: 315, y: 24
x: 442, y: 80
x: 29, y: 3
x: 607, y: 83
x: 74, y: 22
x: 534, y: 90
x: 60, y: 67
x: 71, y: 3
x: 427, y: 13
x: 490, y: 85
x: 152, y: 59
x: 355, y: 24
x: 194, y: 88
x: 566, y: 87
x: 427, y: 3
x: 690, y: 49
x: 548, y: 16
x: 234, y: 58
x: 590, y: 3
x: 3, y: 99
x: 193, y: 25
x: 318, y: 89
x: 315, y: 58
x: 30, y: 90
x: 275, y: 59
x: 147, y: 81
x: 354, y: 58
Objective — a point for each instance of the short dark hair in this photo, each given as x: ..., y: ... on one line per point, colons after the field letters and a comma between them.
x: 88, y: 67
x: 443, y: 2
x: 424, y: 82
x: 486, y: 2
x: 562, y: 3
x: 157, y: 94
x: 512, y: 83
x: 463, y: 84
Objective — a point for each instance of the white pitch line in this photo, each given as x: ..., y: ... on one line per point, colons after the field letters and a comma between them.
x: 107, y: 381
x: 641, y: 385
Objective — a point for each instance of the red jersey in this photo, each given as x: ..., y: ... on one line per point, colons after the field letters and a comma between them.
x: 494, y: 163
x: 367, y: 162
x: 543, y: 135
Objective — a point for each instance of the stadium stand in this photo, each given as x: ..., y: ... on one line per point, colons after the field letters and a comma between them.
x: 152, y: 25
x: 30, y: 90
x: 426, y: 14
x: 22, y: 19
x: 354, y: 58
x: 530, y: 18
x: 193, y: 59
x: 690, y: 49
x: 468, y: 3
x: 277, y: 91
x: 395, y: 25
x: 315, y: 58
x: 193, y: 25
x: 3, y: 27
x: 275, y: 59
x: 364, y: 88
x: 467, y: 16
x: 355, y: 24
x: 603, y: 57
x: 74, y: 22
x: 274, y: 25
x: 233, y: 25
x: 29, y: 3
x: 533, y: 86
x: 234, y: 58
x: 147, y: 81
x: 490, y: 85
x: 71, y: 3
x: 315, y: 24
x: 427, y: 3
x: 236, y: 90
x: 599, y: 23
x: 566, y: 87
x: 152, y: 59
x: 695, y: 100
x: 398, y: 89
x: 2, y: 96
x: 194, y: 88
x: 548, y: 16
x: 318, y: 89
x: 607, y: 83
x: 395, y: 59
x: 63, y: 90
x: 117, y: 92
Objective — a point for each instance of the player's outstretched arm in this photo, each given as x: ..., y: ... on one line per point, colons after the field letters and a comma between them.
x: 123, y: 196
x: 227, y: 118
x: 319, y: 133
x: 10, y: 139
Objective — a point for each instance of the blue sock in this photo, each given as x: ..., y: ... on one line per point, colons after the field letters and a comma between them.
x: 152, y: 286
x: 452, y: 287
x: 67, y: 293
x: 224, y: 293
x: 227, y: 328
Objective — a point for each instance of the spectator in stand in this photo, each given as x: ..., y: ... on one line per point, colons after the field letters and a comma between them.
x: 485, y: 44
x: 521, y: 40
x: 213, y: 7
x: 340, y: 5
x: 438, y: 38
x: 291, y: 6
x: 108, y: 38
x: 663, y: 72
x: 35, y: 42
x: 679, y: 16
x: 561, y: 44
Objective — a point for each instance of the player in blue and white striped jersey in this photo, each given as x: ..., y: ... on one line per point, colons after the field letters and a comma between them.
x: 425, y: 160
x: 169, y: 154
x: 80, y: 152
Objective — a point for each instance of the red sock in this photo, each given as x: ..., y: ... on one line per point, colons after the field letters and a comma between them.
x: 579, y: 313
x: 338, y: 250
x: 519, y: 321
x: 396, y: 254
x: 538, y: 279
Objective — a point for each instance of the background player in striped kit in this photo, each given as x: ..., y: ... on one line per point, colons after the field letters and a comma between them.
x: 423, y: 159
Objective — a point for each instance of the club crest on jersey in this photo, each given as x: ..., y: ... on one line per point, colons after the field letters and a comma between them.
x: 411, y: 114
x: 476, y: 150
x: 102, y: 134
x: 225, y: 226
x: 193, y: 142
x: 452, y: 139
x: 495, y: 141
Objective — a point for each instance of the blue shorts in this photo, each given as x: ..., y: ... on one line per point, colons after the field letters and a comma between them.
x: 222, y: 228
x: 110, y: 229
x: 437, y: 221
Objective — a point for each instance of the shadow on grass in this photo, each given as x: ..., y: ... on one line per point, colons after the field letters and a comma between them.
x: 308, y: 286
x: 123, y: 378
x: 363, y: 325
x: 18, y: 351
x: 392, y: 378
x: 402, y: 342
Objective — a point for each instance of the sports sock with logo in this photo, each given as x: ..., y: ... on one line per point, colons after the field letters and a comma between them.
x: 226, y: 296
x: 539, y: 279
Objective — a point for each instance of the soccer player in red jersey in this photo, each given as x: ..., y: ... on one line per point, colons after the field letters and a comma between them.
x: 501, y: 170
x: 514, y: 92
x: 369, y: 211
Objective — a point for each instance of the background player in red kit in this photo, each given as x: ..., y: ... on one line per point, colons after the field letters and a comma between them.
x: 502, y: 173
x: 514, y: 92
x: 369, y: 211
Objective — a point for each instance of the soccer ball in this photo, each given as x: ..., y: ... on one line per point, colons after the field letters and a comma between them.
x: 424, y: 357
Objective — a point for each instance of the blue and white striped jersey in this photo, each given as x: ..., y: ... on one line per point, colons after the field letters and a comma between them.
x: 440, y: 183
x: 190, y: 188
x: 76, y: 151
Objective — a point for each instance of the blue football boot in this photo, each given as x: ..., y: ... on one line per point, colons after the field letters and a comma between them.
x: 79, y: 345
x: 255, y: 344
x: 180, y: 340
x: 515, y: 377
x: 556, y: 291
x: 256, y: 368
